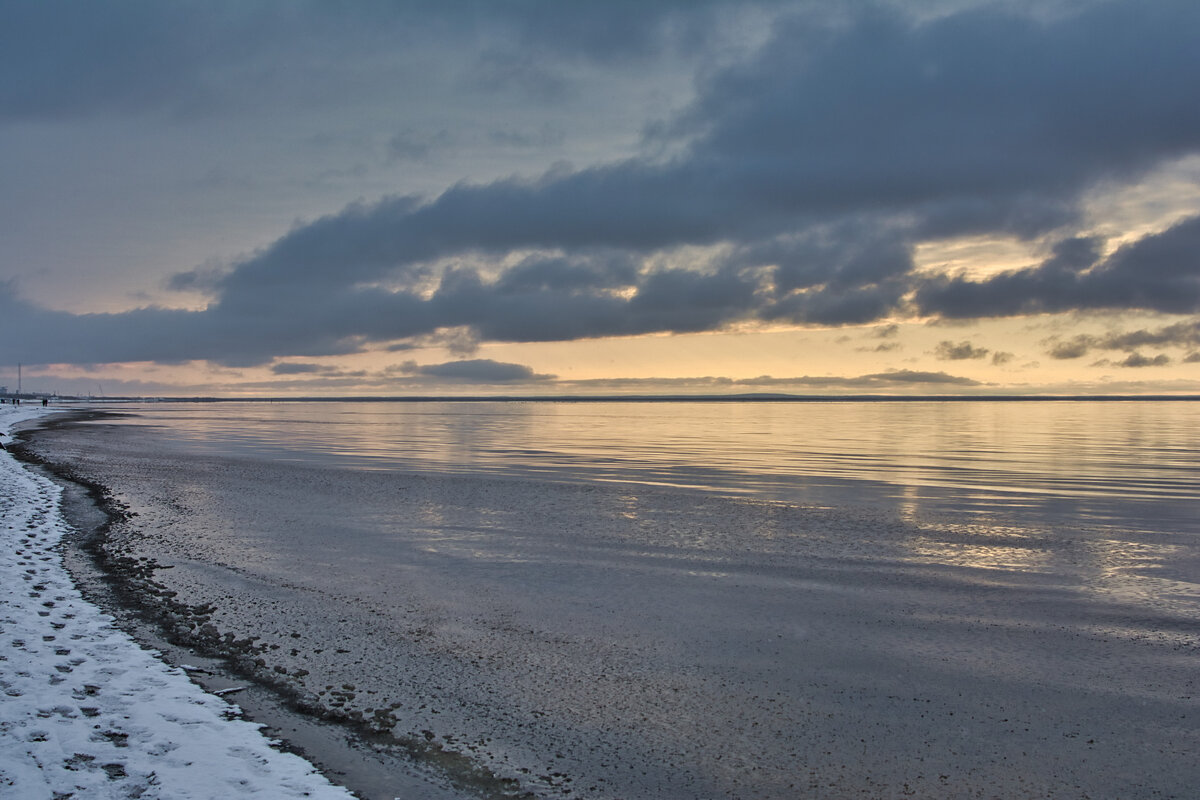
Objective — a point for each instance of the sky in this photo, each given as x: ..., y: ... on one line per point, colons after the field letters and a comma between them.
x: 261, y: 198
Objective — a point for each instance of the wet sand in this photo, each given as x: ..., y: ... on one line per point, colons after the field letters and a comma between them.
x: 608, y: 640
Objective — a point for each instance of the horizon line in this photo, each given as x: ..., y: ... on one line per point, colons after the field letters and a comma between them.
x: 617, y: 398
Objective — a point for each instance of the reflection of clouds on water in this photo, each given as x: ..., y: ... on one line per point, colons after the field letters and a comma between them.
x: 1156, y: 576
x: 1142, y: 574
x: 993, y: 548
x: 1125, y: 464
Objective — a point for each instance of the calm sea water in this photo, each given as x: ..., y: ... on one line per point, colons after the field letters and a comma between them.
x: 701, y: 599
x: 1132, y: 464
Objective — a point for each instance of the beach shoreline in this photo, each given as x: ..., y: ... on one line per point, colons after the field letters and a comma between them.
x: 89, y: 710
x: 362, y: 757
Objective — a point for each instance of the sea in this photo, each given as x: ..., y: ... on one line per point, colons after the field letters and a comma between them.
x: 692, y: 598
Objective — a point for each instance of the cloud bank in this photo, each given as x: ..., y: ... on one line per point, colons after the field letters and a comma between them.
x: 801, y: 178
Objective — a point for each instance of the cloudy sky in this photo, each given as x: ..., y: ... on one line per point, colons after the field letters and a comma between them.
x: 534, y: 196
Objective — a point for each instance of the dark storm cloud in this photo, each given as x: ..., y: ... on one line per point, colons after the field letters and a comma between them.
x: 819, y: 162
x: 479, y: 370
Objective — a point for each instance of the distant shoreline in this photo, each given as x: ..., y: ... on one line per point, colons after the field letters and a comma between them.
x: 655, y: 398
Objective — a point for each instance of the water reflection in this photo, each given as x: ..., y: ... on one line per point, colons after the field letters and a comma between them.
x: 1131, y: 464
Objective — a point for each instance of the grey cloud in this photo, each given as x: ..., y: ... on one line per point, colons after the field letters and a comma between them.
x: 874, y: 381
x: 62, y: 59
x: 459, y: 341
x: 1000, y: 358
x: 1022, y: 215
x: 1075, y: 347
x: 1180, y: 334
x: 973, y: 106
x: 751, y: 174
x: 917, y: 376
x: 949, y: 351
x: 577, y: 302
x: 521, y: 72
x: 248, y: 336
x: 1192, y: 358
x: 820, y: 161
x: 1159, y: 272
x: 681, y: 300
x: 757, y: 130
x: 877, y: 379
x: 411, y: 145
x: 300, y: 368
x: 1139, y: 360
x: 295, y: 368
x: 480, y: 370
x: 832, y: 307
x: 546, y: 136
x: 1135, y: 360
x: 124, y: 58
x: 201, y: 279
x: 886, y: 331
x: 883, y: 347
x: 611, y: 270
x: 847, y: 254
x: 617, y: 29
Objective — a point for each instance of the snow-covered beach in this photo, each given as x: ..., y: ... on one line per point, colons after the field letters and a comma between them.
x: 86, y: 712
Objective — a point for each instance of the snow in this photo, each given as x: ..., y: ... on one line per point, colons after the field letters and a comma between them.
x: 88, y: 713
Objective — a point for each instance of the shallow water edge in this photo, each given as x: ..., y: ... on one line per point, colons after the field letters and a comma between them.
x: 352, y: 753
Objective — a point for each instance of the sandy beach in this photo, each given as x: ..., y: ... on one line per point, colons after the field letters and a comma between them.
x: 605, y: 640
